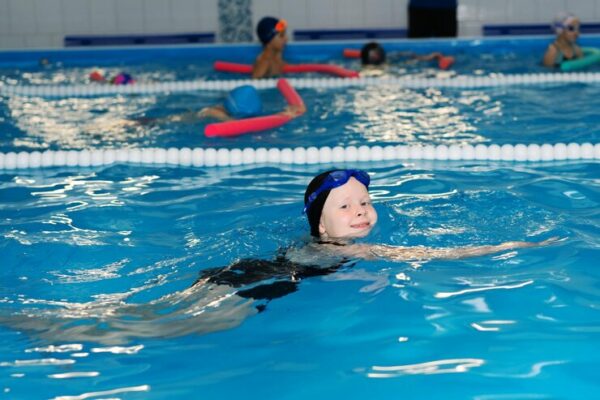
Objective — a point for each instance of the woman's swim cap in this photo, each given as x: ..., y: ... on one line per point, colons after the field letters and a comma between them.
x: 268, y: 27
x: 243, y: 102
x: 372, y: 54
x: 563, y: 20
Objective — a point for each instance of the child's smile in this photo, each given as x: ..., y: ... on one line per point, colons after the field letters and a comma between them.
x: 348, y: 212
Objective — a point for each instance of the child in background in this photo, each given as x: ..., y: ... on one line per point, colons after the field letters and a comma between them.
x: 338, y: 207
x: 122, y: 78
x: 241, y: 102
x: 272, y: 34
x: 564, y: 47
x: 373, y: 54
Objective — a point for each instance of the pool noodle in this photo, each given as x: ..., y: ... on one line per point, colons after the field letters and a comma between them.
x: 445, y: 62
x: 591, y: 56
x: 224, y: 66
x: 246, y: 125
x: 291, y: 96
x: 256, y: 124
x: 351, y: 53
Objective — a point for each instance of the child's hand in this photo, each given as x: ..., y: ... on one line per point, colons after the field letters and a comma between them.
x: 294, y: 111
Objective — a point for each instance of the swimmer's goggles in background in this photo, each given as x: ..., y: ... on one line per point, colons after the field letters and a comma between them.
x: 572, y: 28
x: 336, y: 179
x: 569, y: 24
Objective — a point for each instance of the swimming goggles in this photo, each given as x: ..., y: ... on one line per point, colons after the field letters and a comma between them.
x: 336, y: 179
x: 281, y: 25
x: 572, y: 28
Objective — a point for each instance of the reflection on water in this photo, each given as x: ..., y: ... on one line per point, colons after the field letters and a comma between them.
x: 452, y: 366
x: 78, y: 123
x: 411, y: 116
x: 110, y: 319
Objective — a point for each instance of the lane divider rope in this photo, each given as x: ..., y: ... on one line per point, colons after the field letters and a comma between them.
x: 213, y: 157
x: 461, y: 81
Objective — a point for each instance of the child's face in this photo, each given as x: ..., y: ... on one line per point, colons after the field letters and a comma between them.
x: 279, y: 40
x: 347, y: 212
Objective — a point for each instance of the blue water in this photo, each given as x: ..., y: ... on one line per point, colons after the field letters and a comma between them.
x: 96, y: 296
x: 79, y: 246
x: 351, y: 116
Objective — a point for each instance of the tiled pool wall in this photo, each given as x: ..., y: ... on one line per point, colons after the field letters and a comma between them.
x: 46, y: 23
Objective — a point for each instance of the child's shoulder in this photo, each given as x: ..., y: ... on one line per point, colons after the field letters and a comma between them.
x: 322, y: 252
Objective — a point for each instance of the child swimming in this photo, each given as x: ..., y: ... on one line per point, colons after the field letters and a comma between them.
x: 272, y: 34
x: 373, y: 54
x: 242, y: 102
x: 564, y: 48
x: 338, y: 208
x: 122, y: 78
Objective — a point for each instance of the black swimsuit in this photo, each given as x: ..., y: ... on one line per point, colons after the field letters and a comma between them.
x: 560, y: 56
x: 265, y: 279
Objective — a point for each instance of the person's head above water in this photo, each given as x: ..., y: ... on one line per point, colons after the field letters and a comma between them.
x: 270, y: 27
x: 337, y: 204
x: 566, y: 23
x: 243, y: 102
x: 372, y: 54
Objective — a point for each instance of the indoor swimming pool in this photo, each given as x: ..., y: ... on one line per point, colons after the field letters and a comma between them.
x: 102, y: 291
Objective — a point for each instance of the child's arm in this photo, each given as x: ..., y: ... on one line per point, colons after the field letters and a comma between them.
x: 550, y: 56
x: 217, y: 112
x: 428, y: 57
x: 294, y: 111
x: 261, y: 66
x: 427, y: 253
x: 190, y: 117
x: 411, y: 55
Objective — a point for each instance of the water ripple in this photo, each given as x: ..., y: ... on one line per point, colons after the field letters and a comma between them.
x: 69, y: 375
x: 140, y: 388
x: 37, y: 363
x: 444, y: 295
x: 449, y: 366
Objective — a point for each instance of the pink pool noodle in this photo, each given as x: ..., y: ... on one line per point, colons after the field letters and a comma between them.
x: 224, y: 66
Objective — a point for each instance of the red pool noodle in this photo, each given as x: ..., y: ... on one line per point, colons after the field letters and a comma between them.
x: 351, y: 53
x: 224, y: 66
x: 291, y: 96
x: 323, y: 68
x: 246, y: 125
x: 445, y: 62
x: 255, y: 124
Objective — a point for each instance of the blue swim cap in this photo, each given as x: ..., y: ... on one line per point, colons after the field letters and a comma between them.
x: 243, y: 102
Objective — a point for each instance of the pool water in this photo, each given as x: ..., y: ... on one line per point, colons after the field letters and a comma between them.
x: 349, y: 116
x: 178, y: 63
x: 99, y: 264
x: 99, y: 261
